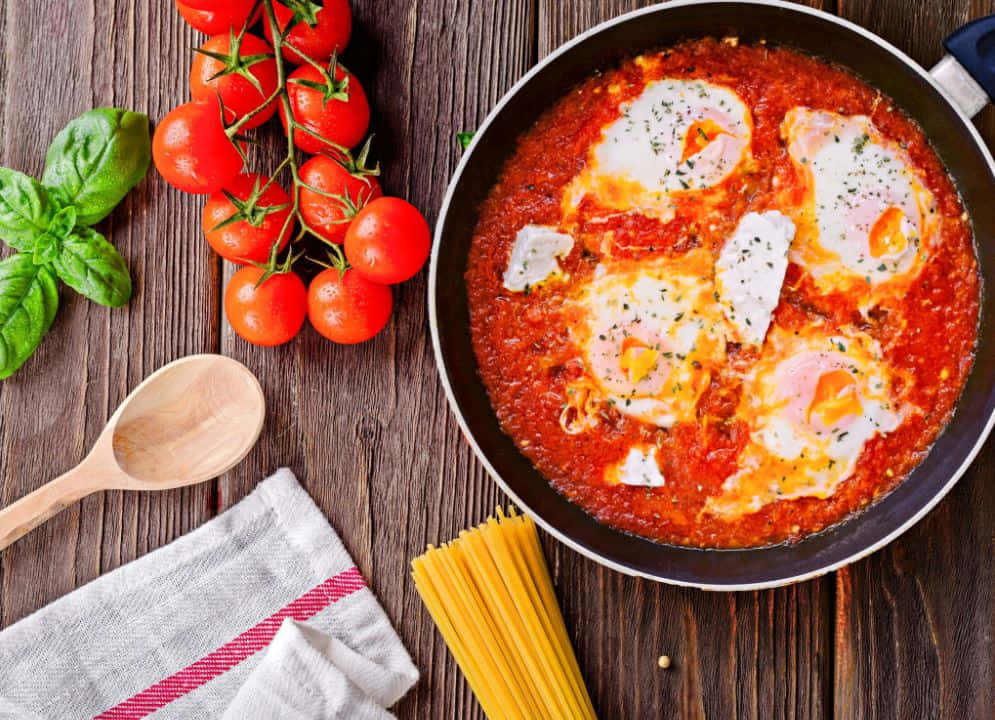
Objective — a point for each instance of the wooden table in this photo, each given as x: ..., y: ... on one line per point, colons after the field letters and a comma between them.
x: 907, y: 633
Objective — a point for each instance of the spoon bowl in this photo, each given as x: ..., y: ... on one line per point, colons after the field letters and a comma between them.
x: 188, y: 422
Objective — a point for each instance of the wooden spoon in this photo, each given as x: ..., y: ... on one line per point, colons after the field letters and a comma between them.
x: 188, y: 422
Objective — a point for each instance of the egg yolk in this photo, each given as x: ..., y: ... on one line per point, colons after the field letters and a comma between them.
x: 835, y: 398
x: 637, y: 360
x: 886, y: 236
x: 699, y: 135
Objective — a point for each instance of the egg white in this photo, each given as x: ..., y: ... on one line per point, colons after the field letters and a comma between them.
x: 651, y: 334
x: 853, y: 176
x: 805, y: 441
x: 642, y: 160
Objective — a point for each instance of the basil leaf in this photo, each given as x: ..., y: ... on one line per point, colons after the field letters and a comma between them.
x: 29, y: 297
x: 25, y: 209
x: 97, y: 158
x: 92, y: 267
x: 465, y: 138
x: 49, y: 244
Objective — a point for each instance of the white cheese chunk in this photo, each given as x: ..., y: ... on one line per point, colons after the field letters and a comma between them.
x: 750, y: 271
x: 640, y: 467
x: 533, y: 256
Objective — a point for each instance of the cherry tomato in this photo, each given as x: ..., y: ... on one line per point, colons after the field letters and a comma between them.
x: 192, y: 151
x: 339, y: 112
x: 388, y: 241
x: 319, y: 31
x: 346, y: 307
x: 243, y: 230
x: 221, y: 20
x: 270, y: 314
x: 223, y: 67
x: 330, y: 216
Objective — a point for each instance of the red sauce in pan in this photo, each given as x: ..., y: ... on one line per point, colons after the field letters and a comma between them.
x: 527, y: 358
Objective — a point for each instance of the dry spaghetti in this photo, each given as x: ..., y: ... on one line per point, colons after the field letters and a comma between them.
x: 490, y: 594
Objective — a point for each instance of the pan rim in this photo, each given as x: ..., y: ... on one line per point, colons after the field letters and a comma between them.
x: 441, y: 365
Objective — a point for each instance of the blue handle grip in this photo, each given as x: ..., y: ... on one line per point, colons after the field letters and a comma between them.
x: 974, y: 47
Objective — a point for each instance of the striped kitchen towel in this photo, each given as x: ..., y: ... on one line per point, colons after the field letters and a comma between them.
x: 260, y: 613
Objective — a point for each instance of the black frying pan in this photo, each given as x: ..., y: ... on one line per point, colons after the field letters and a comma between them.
x: 943, y: 111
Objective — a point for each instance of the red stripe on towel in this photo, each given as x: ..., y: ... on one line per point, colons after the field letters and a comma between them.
x: 231, y: 654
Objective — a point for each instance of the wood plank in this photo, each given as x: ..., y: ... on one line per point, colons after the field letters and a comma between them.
x: 915, y: 634
x: 367, y: 429
x: 130, y: 53
x: 734, y: 655
x: 744, y: 655
x: 560, y: 21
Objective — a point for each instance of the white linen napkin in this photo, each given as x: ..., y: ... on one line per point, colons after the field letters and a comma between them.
x: 260, y: 613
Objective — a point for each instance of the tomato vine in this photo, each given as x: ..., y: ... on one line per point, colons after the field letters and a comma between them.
x: 238, y: 82
x: 292, y: 125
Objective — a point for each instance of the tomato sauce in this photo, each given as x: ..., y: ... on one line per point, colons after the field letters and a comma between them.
x: 527, y: 359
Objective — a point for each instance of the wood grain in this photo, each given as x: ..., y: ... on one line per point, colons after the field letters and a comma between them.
x: 907, y: 633
x: 560, y: 21
x: 915, y: 632
x: 58, y: 63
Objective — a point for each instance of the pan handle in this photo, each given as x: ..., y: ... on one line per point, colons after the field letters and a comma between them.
x: 968, y: 72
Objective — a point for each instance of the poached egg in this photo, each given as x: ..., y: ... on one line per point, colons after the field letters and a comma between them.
x: 865, y: 217
x: 812, y: 401
x: 676, y: 137
x: 651, y: 334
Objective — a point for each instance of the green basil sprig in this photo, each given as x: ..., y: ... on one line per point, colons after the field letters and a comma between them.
x: 92, y: 267
x: 90, y: 166
x: 29, y: 297
x: 96, y: 159
x: 25, y: 209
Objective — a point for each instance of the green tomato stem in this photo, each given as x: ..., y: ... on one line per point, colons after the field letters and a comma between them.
x: 273, y: 264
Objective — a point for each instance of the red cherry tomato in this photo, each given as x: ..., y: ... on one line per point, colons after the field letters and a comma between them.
x: 244, y: 230
x: 330, y: 216
x: 192, y: 151
x: 225, y: 74
x: 388, y: 241
x: 319, y: 33
x: 270, y: 314
x: 222, y: 20
x: 339, y: 112
x: 346, y: 307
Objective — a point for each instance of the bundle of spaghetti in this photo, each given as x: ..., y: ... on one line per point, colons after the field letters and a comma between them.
x: 490, y: 594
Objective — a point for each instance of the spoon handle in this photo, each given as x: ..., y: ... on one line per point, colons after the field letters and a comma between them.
x: 24, y: 515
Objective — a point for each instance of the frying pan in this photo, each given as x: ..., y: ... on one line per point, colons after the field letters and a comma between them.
x: 941, y: 102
